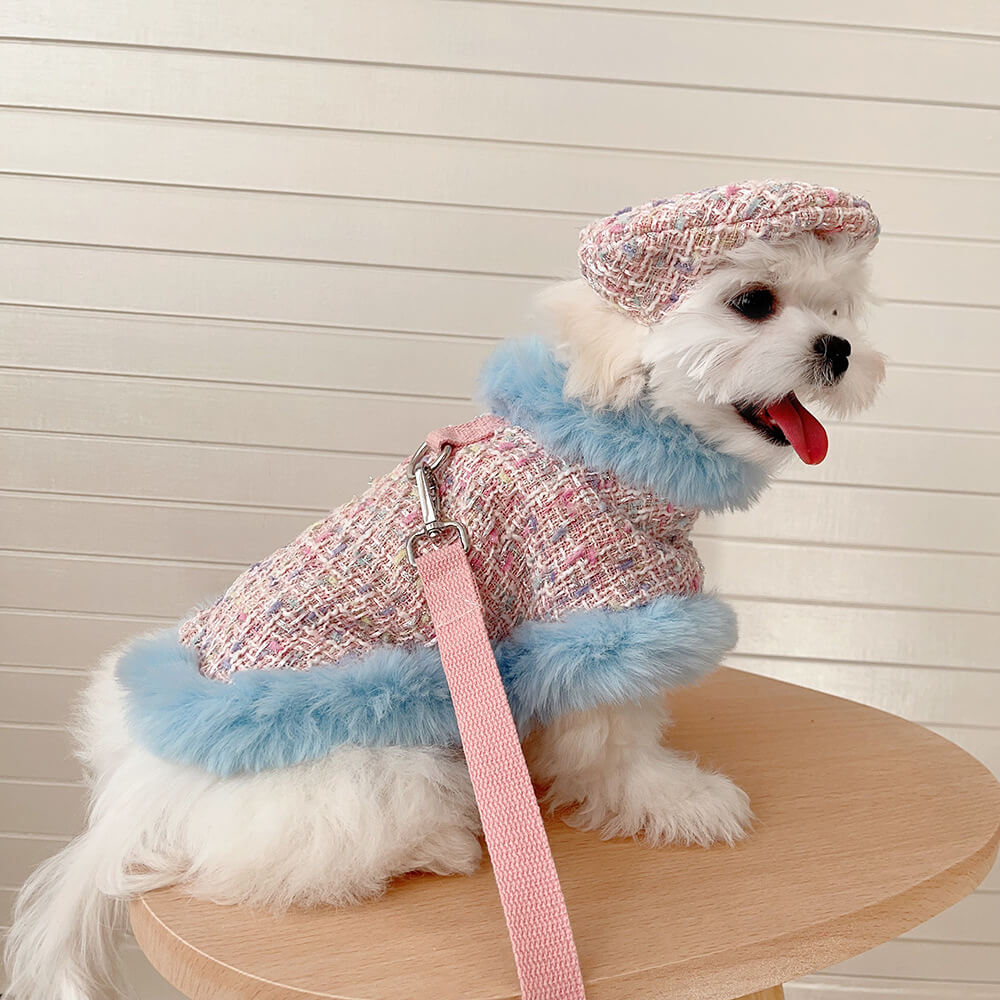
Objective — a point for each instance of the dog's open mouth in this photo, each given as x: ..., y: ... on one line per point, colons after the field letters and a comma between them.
x: 788, y: 422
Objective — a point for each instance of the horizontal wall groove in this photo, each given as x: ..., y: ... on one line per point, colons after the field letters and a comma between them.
x: 170, y: 502
x: 972, y: 241
x: 218, y: 255
x: 888, y: 428
x: 35, y: 836
x: 889, y: 168
x: 842, y: 546
x: 951, y: 431
x: 845, y: 484
x: 238, y: 567
x: 335, y: 329
x: 394, y: 457
x: 501, y: 210
x: 889, y: 300
x: 299, y: 193
x: 442, y: 335
x: 972, y: 726
x: 283, y: 387
x: 226, y: 446
x: 748, y: 19
x: 891, y: 366
x: 710, y: 537
x: 864, y: 664
x: 868, y: 979
x: 112, y: 378
x: 100, y: 615
x: 862, y: 605
x: 968, y: 944
x: 45, y: 782
x: 908, y: 366
x: 126, y: 560
x: 35, y: 727
x: 444, y: 67
x: 923, y: 980
x: 149, y: 500
x: 19, y: 668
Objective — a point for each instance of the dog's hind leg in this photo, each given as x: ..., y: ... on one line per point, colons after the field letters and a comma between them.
x: 607, y: 770
x: 335, y: 830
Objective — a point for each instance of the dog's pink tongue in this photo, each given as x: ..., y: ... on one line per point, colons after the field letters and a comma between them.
x: 804, y: 432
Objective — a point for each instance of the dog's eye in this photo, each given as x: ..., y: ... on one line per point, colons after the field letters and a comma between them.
x: 754, y: 303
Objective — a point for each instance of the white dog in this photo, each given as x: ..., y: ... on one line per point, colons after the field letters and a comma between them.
x: 677, y: 380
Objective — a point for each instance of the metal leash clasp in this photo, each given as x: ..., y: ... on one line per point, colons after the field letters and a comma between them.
x: 422, y: 472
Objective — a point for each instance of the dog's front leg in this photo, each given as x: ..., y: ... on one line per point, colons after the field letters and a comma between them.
x: 610, y: 771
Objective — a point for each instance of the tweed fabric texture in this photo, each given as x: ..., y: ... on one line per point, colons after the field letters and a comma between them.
x: 533, y: 903
x: 646, y: 259
x: 548, y: 537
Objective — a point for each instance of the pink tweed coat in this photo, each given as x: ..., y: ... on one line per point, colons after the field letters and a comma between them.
x: 549, y: 537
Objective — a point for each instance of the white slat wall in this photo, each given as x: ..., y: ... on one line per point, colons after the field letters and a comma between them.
x: 250, y: 252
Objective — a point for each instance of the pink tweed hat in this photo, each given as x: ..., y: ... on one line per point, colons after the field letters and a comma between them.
x: 646, y: 259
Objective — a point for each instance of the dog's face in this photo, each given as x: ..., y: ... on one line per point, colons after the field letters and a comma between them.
x: 774, y: 327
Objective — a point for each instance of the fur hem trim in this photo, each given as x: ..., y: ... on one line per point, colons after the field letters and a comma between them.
x: 523, y: 382
x: 395, y: 695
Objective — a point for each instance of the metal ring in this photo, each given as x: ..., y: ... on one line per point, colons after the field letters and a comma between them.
x: 442, y: 456
x: 431, y: 530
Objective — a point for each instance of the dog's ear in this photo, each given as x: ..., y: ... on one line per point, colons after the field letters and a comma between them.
x: 600, y: 346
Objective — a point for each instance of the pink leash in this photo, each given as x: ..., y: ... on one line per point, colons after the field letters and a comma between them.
x: 533, y: 904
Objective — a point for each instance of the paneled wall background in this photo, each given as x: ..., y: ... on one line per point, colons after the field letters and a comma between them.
x: 250, y: 252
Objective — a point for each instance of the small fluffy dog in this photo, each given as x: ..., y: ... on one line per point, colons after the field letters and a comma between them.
x: 295, y: 743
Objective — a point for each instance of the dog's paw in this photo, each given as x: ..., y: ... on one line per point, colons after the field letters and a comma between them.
x: 677, y: 803
x: 456, y: 851
x: 711, y: 808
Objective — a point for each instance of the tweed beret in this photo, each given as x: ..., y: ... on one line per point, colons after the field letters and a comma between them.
x: 646, y: 259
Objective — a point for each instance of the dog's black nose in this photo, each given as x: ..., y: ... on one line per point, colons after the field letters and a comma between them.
x: 834, y: 351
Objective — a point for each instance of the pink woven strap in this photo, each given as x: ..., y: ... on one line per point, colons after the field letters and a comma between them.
x: 533, y: 904
x: 458, y: 434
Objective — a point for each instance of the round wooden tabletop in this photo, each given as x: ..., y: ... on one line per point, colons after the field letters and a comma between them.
x: 866, y: 826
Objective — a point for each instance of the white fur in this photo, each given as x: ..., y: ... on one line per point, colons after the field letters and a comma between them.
x: 598, y: 344
x: 337, y: 830
x: 607, y: 770
x: 701, y: 358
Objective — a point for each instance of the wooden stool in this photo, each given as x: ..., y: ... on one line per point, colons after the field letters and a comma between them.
x: 866, y: 826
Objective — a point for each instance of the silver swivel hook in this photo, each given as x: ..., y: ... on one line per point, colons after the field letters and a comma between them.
x: 423, y: 474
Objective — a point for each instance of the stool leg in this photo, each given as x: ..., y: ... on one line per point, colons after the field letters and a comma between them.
x: 774, y: 993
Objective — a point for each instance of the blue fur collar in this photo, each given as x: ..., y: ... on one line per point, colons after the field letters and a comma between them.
x: 523, y: 382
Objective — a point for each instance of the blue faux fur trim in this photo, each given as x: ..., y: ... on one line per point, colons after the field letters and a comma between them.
x: 523, y: 382
x: 396, y: 696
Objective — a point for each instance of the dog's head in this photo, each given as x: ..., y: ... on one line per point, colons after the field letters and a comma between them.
x: 759, y: 330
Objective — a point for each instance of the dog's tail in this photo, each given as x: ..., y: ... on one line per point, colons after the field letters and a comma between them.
x: 69, y: 919
x: 63, y: 944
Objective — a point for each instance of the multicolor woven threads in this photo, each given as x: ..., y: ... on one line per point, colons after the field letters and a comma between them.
x: 549, y: 537
x: 646, y: 259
